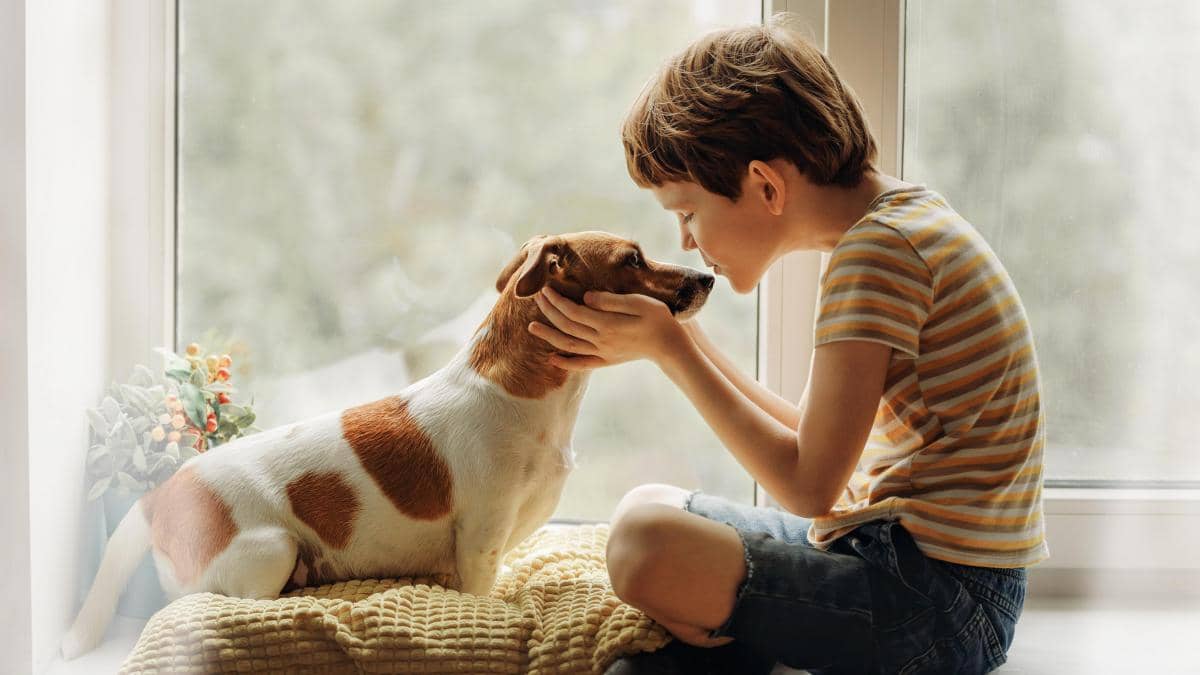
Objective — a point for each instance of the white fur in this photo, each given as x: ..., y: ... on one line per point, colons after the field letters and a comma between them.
x: 506, y: 483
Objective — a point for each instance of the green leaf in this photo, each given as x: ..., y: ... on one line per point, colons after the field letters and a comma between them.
x: 164, y: 461
x: 139, y: 459
x: 96, y: 453
x: 171, y: 450
x: 193, y: 403
x: 130, y: 396
x: 98, y: 423
x: 189, y: 439
x: 111, y: 408
x: 129, y: 482
x: 121, y: 453
x: 128, y: 434
x: 180, y: 376
x: 174, y: 365
x: 198, y: 378
x: 142, y: 375
x: 98, y: 488
x: 232, y: 410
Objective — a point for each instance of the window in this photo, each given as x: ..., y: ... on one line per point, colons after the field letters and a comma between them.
x: 353, y: 176
x: 1066, y: 132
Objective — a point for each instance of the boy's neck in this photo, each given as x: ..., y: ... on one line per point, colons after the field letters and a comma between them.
x: 827, y: 211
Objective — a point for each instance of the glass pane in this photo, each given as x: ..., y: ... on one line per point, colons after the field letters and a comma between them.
x: 1067, y: 132
x: 354, y: 175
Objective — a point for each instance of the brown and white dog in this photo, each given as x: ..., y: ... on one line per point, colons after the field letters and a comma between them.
x: 443, y: 478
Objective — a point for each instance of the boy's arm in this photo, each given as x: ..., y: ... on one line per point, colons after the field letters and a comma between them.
x: 804, y: 469
x: 775, y: 405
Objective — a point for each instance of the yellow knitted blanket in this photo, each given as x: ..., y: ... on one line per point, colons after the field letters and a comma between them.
x: 552, y: 610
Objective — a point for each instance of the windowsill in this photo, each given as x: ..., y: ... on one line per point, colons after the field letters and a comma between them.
x: 1056, y: 636
x: 1069, y: 610
x: 1116, y: 501
x: 122, y: 635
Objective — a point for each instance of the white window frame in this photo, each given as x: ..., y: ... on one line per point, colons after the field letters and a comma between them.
x: 1106, y: 540
x: 1102, y: 541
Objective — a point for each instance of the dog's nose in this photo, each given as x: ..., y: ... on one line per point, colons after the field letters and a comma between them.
x: 707, y: 281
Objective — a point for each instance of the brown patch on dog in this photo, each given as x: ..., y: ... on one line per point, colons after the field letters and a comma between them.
x: 310, y: 569
x: 325, y: 502
x: 189, y: 523
x: 399, y: 457
x: 512, y: 357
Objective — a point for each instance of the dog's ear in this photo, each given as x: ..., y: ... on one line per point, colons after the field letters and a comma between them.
x: 518, y: 259
x: 537, y: 260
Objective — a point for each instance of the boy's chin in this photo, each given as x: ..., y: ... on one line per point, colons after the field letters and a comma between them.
x: 738, y: 284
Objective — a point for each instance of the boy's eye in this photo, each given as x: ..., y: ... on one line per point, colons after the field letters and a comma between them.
x: 688, y: 218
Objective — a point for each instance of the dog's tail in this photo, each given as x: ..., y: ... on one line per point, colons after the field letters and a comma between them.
x: 124, y: 552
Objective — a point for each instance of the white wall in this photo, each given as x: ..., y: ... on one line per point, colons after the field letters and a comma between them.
x: 68, y: 313
x: 15, y: 654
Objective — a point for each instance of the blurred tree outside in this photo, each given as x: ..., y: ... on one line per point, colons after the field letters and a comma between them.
x: 1067, y: 132
x: 354, y: 175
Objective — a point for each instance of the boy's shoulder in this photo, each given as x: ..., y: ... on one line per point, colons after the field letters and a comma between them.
x: 920, y: 220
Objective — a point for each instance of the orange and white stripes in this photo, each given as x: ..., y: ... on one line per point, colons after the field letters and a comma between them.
x: 955, y: 453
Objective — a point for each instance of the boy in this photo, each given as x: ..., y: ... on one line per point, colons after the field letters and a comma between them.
x: 910, y: 472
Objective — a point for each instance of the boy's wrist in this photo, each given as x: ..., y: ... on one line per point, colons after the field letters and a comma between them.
x: 678, y: 351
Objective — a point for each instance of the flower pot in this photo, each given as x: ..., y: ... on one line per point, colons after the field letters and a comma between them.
x: 143, y: 596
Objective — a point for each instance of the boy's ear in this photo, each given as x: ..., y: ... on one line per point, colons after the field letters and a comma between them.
x: 768, y: 183
x: 538, y: 259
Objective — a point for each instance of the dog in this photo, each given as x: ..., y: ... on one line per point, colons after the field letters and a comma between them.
x: 443, y: 478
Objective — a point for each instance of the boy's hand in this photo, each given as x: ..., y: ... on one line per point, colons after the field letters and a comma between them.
x: 607, y: 329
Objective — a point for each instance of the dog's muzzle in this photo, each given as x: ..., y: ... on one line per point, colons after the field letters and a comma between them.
x: 696, y: 287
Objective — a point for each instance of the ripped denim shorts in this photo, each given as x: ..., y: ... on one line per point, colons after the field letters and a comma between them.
x: 872, y: 603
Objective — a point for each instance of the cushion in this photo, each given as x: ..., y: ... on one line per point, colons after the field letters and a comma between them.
x: 552, y: 610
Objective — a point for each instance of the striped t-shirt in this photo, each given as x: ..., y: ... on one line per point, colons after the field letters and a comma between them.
x: 955, y: 451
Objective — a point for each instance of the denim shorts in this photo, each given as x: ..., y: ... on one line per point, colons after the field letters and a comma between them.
x: 872, y: 603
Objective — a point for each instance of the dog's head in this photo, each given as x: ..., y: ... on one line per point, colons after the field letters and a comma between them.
x: 585, y: 261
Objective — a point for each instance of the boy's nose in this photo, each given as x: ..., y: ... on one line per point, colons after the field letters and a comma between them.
x: 688, y: 243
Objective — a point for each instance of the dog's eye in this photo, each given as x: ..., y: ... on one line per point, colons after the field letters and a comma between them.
x: 634, y: 260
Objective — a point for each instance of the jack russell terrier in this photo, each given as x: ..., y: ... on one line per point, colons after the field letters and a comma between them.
x: 443, y: 478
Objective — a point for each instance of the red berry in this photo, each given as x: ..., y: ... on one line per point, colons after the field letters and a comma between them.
x: 223, y: 374
x: 222, y: 397
x: 212, y: 425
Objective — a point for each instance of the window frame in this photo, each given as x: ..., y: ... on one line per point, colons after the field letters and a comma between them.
x: 865, y: 41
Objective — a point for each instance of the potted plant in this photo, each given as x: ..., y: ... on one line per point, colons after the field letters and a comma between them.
x: 145, y: 429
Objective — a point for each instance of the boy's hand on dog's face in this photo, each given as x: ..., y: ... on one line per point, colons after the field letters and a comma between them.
x: 608, y: 329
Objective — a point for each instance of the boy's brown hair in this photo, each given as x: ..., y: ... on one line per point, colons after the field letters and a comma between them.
x: 736, y: 95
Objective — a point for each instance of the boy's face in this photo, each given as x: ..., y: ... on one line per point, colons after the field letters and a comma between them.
x: 734, y: 238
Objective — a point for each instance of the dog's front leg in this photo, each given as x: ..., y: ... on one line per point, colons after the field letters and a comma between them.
x: 479, y: 543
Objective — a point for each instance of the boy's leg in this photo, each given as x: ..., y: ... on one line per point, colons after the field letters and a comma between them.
x: 714, y: 570
x: 682, y: 570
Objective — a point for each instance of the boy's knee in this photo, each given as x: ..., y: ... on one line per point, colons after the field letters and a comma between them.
x: 649, y: 493
x: 633, y: 557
